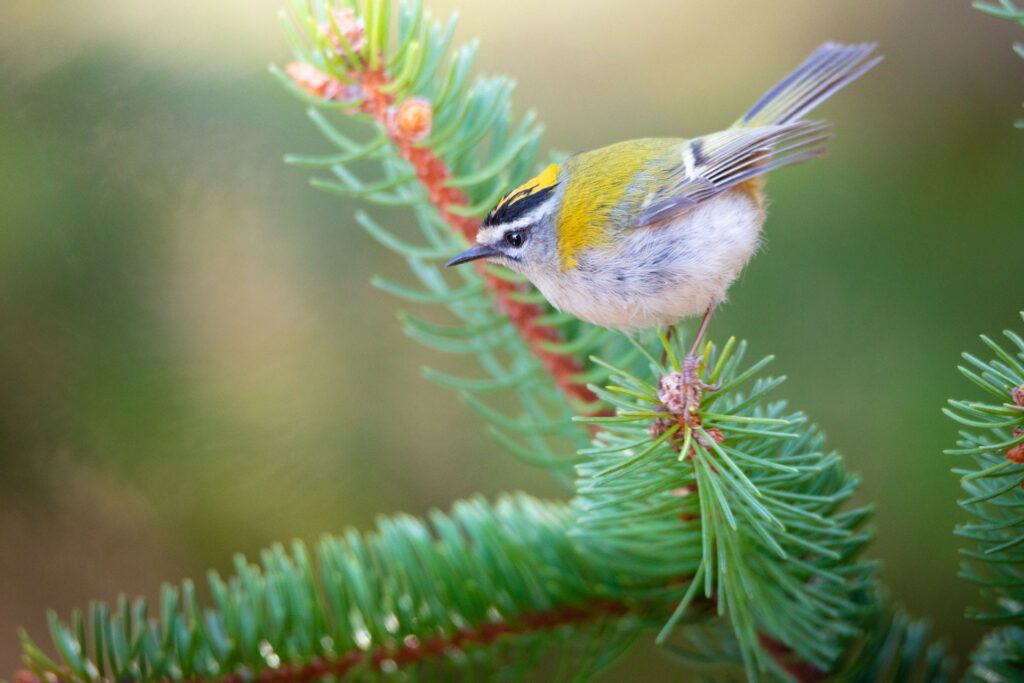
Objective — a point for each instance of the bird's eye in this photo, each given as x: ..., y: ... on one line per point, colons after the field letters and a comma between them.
x: 515, y: 238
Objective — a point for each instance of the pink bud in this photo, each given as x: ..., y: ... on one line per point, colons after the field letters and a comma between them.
x: 314, y: 81
x: 350, y: 26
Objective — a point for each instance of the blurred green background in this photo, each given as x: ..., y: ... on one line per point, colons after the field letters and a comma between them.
x: 192, y: 362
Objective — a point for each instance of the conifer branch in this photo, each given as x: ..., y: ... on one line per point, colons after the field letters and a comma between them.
x: 410, y: 653
x: 448, y: 148
x: 372, y: 90
x: 405, y: 126
x: 894, y: 647
x: 991, y: 445
x: 750, y: 486
x: 455, y: 593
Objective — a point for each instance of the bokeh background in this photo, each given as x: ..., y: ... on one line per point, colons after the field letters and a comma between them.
x: 192, y: 361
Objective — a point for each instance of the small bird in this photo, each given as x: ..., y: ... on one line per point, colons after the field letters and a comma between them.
x: 646, y: 232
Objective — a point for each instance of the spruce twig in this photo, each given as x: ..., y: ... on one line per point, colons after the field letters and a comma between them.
x: 991, y: 446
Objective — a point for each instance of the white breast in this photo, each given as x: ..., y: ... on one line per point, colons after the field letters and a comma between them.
x: 657, y: 276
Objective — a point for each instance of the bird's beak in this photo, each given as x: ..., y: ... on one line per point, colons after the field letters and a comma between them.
x: 477, y: 251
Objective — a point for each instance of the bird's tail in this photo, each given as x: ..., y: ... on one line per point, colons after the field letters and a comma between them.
x: 828, y: 69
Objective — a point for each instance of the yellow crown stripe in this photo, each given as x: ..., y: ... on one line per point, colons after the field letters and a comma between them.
x: 543, y: 180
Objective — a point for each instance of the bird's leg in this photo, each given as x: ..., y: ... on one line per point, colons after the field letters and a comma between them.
x: 691, y: 364
x: 701, y: 331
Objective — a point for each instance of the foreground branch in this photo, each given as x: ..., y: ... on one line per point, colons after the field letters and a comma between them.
x: 388, y: 659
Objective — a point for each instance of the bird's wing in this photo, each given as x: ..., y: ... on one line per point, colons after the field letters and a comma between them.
x: 711, y: 164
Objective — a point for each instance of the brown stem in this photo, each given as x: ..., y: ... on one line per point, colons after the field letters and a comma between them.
x: 433, y: 174
x: 801, y: 671
x: 410, y: 652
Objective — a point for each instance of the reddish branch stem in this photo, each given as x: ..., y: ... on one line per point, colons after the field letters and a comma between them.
x: 801, y: 671
x: 411, y: 651
x: 433, y: 174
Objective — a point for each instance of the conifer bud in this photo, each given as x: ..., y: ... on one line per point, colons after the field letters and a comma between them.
x: 315, y: 82
x: 413, y: 119
x: 349, y: 26
x: 1016, y: 453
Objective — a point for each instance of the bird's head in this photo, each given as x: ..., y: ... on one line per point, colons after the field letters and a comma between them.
x: 520, y: 231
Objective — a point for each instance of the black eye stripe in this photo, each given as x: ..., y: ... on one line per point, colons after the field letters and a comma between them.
x: 517, y: 206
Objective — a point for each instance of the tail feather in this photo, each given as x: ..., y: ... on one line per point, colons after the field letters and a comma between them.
x: 828, y: 69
